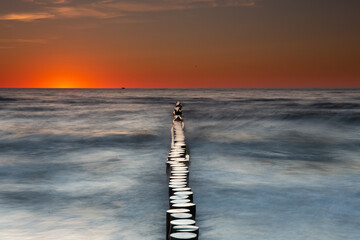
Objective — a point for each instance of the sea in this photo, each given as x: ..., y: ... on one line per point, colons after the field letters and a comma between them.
x: 89, y: 164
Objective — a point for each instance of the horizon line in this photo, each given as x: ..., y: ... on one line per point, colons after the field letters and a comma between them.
x: 124, y: 88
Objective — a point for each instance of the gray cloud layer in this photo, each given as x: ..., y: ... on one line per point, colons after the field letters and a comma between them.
x: 46, y: 9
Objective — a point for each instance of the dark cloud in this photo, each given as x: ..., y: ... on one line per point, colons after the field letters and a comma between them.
x: 42, y: 9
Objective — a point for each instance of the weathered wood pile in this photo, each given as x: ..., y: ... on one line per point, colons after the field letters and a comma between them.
x: 180, y: 218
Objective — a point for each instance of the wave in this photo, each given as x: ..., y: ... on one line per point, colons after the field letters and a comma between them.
x: 151, y: 100
x: 37, y: 144
x: 245, y: 100
x: 7, y: 99
x: 36, y: 109
x: 326, y: 116
x: 332, y: 105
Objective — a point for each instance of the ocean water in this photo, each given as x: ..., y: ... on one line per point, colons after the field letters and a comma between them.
x: 266, y: 164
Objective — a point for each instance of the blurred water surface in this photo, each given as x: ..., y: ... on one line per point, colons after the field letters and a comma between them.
x: 266, y: 164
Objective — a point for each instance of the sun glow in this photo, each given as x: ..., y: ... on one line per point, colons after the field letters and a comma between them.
x: 62, y: 82
x: 65, y: 82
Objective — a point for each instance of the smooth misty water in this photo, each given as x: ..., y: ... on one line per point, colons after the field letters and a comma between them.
x: 266, y: 164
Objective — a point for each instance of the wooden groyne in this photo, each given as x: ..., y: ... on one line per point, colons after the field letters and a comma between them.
x: 180, y: 218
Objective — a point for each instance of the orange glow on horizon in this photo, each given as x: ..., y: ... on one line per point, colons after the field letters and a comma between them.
x: 63, y: 83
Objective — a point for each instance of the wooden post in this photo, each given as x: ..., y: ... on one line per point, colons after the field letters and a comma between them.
x: 183, y: 236
x: 180, y: 218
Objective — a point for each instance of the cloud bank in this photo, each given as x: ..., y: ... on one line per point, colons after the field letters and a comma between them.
x: 46, y: 9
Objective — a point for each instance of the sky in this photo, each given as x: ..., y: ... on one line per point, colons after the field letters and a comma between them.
x: 179, y: 43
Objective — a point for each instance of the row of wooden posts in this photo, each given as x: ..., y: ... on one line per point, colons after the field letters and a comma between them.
x: 180, y: 218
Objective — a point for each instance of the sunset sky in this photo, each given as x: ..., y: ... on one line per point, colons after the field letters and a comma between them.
x: 179, y: 43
